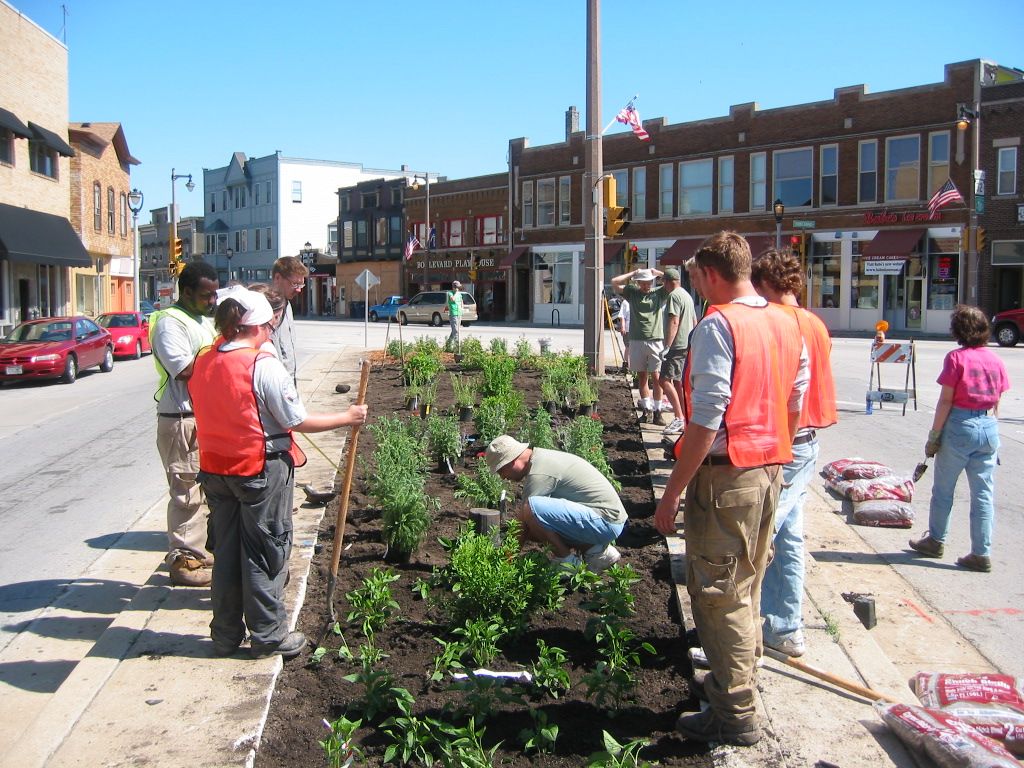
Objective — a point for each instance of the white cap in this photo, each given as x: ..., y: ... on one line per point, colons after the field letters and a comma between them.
x: 257, y: 309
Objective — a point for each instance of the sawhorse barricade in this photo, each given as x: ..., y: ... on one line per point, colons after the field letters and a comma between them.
x: 892, y: 352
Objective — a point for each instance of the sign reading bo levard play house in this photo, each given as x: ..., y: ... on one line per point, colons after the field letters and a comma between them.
x: 460, y: 262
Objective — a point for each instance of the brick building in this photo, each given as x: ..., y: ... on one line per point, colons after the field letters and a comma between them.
x: 155, y: 282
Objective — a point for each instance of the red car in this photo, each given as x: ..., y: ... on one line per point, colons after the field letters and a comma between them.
x: 55, y: 348
x: 1007, y: 327
x: 130, y: 332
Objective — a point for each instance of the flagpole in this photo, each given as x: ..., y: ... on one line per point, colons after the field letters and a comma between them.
x: 615, y: 119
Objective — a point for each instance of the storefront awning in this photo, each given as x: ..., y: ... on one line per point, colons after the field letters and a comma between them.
x: 611, y: 250
x: 680, y: 251
x: 51, y: 139
x: 512, y: 256
x: 760, y: 243
x: 892, y: 244
x: 9, y: 121
x: 40, y: 238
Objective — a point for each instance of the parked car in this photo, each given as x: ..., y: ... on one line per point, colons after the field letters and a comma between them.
x: 129, y: 331
x: 147, y: 307
x: 1008, y: 326
x: 55, y: 348
x: 387, y: 309
x: 431, y: 307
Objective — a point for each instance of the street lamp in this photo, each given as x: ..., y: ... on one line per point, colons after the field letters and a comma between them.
x: 174, y: 209
x: 971, y: 117
x: 229, y: 253
x: 416, y: 185
x: 779, y: 207
x: 135, y: 200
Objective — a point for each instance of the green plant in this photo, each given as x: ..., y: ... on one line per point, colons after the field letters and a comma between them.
x: 379, y: 695
x: 585, y: 392
x: 339, y: 748
x: 449, y: 658
x: 541, y: 738
x: 483, y: 487
x: 444, y: 438
x: 549, y: 671
x: 421, y: 588
x: 480, y: 638
x: 482, y: 694
x: 406, y: 517
x: 498, y: 346
x: 583, y: 437
x: 464, y: 389
x: 428, y: 392
x: 538, y: 432
x: 372, y: 603
x: 396, y: 348
x: 524, y: 352
x: 548, y: 391
x: 422, y: 367
x: 498, y: 415
x: 616, y: 755
x: 412, y: 738
x: 472, y: 353
x: 465, y: 747
x: 498, y: 372
x: 831, y: 626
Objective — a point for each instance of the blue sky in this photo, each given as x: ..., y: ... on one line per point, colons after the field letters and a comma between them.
x: 443, y: 86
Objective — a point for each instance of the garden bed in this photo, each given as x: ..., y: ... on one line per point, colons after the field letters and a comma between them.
x: 307, y: 693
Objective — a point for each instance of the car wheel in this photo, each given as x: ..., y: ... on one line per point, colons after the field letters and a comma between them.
x: 465, y: 324
x: 70, y: 370
x: 402, y: 319
x: 373, y: 317
x: 435, y: 320
x: 138, y: 350
x: 108, y: 361
x: 1007, y: 335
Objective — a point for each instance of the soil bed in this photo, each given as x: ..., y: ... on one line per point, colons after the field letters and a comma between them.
x: 306, y: 694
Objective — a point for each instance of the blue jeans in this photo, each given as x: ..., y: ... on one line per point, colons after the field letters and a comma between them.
x: 455, y: 323
x: 970, y: 441
x: 782, y: 590
x: 575, y: 523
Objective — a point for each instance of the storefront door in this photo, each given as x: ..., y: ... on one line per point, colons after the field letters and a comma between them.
x: 904, y: 297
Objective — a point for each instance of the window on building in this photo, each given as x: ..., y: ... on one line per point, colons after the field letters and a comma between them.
x: 867, y: 172
x: 346, y: 234
x: 527, y: 203
x: 638, y: 210
x: 396, y: 195
x: 235, y: 197
x: 361, y: 233
x: 213, y: 202
x: 245, y: 239
x: 726, y: 176
x: 97, y: 207
x: 453, y: 229
x: 270, y: 240
x: 666, y: 178
x: 621, y: 188
x: 863, y: 286
x: 6, y: 147
x: 259, y: 239
x: 943, y: 269
x: 394, y: 231
x: 758, y: 182
x: 553, y: 281
x: 489, y: 230
x: 829, y: 194
x: 238, y: 241
x: 296, y: 191
x: 826, y: 269
x: 211, y: 243
x: 245, y: 196
x: 346, y: 206
x: 124, y: 214
x: 42, y: 159
x: 224, y: 200
x: 902, y: 168
x: 793, y: 175
x: 269, y: 197
x: 938, y: 161
x: 111, y: 211
x: 1006, y: 170
x: 368, y: 200
x: 564, y: 200
x: 256, y: 193
x: 382, y: 230
x: 546, y: 203
x: 695, y: 187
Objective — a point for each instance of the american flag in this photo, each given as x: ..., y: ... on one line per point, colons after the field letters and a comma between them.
x: 946, y: 194
x: 411, y: 245
x: 629, y: 116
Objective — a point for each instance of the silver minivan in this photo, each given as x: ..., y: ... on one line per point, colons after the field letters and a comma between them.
x: 431, y: 307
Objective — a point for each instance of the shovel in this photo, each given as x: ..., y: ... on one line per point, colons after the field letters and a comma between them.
x: 339, y: 527
x: 920, y: 469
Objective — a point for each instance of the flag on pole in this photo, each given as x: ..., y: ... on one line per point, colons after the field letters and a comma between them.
x: 629, y: 116
x: 411, y: 245
x: 944, y: 195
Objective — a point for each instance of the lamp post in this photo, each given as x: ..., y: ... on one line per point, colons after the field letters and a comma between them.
x: 135, y: 200
x: 416, y: 186
x: 971, y: 117
x: 229, y: 253
x: 779, y: 207
x: 174, y: 213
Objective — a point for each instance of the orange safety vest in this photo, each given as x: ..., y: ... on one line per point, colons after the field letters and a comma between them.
x: 819, y: 409
x: 229, y: 431
x: 766, y: 343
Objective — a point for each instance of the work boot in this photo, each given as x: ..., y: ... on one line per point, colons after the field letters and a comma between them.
x: 973, y: 562
x: 707, y: 726
x: 188, y: 571
x: 601, y: 556
x: 927, y: 546
x: 566, y: 565
x: 290, y: 647
x: 659, y: 418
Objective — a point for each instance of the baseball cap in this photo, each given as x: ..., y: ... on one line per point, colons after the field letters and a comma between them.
x: 503, y: 450
x: 456, y: 284
x: 672, y: 274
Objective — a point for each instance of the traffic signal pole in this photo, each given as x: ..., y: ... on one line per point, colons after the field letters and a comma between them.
x: 593, y: 235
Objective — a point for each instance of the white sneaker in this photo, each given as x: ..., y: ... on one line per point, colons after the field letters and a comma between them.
x: 699, y: 659
x: 601, y: 556
x: 568, y: 564
x: 791, y: 644
x: 674, y: 427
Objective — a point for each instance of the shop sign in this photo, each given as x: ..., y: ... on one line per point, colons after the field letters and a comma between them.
x: 884, y: 266
x: 945, y: 269
x: 448, y: 261
x: 875, y: 218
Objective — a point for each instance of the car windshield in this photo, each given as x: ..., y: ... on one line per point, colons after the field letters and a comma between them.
x: 117, y: 321
x: 41, y: 332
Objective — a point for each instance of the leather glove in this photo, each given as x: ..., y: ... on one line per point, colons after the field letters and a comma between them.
x: 934, y: 443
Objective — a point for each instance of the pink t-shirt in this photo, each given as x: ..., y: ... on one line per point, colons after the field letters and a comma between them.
x: 977, y: 376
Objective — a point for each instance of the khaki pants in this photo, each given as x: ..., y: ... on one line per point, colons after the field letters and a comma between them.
x: 729, y: 524
x: 187, y: 512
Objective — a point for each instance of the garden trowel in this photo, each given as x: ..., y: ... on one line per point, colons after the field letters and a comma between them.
x: 920, y: 469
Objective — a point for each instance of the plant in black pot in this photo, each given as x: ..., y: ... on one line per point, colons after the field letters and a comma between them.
x: 586, y: 395
x: 428, y: 396
x: 464, y: 389
x: 445, y: 441
x: 549, y: 395
x: 405, y: 519
x: 412, y: 397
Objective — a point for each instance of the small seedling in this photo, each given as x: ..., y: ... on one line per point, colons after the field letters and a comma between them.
x: 540, y: 738
x: 339, y: 747
x: 618, y: 755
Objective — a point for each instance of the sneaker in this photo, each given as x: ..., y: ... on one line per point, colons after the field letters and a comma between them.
x: 699, y: 659
x: 288, y: 648
x: 675, y: 427
x: 568, y: 564
x: 927, y: 546
x: 188, y: 571
x: 707, y: 726
x: 973, y: 562
x: 601, y: 556
x: 791, y: 644
x: 659, y: 418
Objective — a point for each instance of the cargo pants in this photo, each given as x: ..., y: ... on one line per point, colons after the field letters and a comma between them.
x: 187, y: 512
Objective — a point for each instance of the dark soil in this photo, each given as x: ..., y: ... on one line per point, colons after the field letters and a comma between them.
x: 306, y: 694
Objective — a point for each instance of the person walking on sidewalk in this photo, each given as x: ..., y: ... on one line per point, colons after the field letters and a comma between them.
x: 678, y: 322
x: 965, y: 437
x: 287, y: 277
x: 646, y: 344
x: 176, y: 335
x: 453, y: 300
x: 745, y: 377
x: 777, y: 276
x: 246, y: 408
x: 568, y: 505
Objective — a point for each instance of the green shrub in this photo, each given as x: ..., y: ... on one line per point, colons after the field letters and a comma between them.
x: 405, y: 519
x: 483, y: 487
x: 422, y: 367
x: 499, y: 371
x: 538, y: 431
x: 464, y: 388
x: 498, y: 415
x: 472, y: 353
x: 583, y: 437
x: 498, y: 347
x: 445, y: 438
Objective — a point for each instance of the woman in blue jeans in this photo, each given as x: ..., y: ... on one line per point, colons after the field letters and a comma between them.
x: 965, y: 437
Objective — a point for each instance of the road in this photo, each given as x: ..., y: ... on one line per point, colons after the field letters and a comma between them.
x: 80, y: 466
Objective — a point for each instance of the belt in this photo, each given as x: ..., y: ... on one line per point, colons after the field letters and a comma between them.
x: 810, y: 437
x: 717, y: 460
x: 185, y: 415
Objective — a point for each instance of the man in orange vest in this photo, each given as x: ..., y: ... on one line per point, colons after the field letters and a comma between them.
x: 778, y: 277
x: 743, y: 390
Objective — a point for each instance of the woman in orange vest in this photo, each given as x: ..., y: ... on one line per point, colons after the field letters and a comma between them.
x: 246, y: 408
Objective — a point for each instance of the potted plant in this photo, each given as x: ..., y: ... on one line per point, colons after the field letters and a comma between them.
x: 586, y: 395
x: 405, y: 519
x: 549, y: 395
x: 428, y: 396
x: 412, y: 396
x: 464, y: 389
x: 445, y: 441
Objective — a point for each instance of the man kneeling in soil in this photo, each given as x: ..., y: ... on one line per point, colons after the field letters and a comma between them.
x: 568, y: 505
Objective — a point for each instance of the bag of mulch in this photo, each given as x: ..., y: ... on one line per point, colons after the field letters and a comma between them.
x: 895, y: 487
x: 991, y: 704
x: 883, y: 513
x: 948, y: 741
x: 854, y: 468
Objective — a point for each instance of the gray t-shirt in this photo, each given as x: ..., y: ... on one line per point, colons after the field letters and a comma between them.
x: 561, y: 475
x: 177, y: 338
x: 679, y: 304
x: 284, y: 340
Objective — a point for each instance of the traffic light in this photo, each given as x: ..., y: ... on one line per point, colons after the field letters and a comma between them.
x: 632, y: 254
x: 175, y: 268
x: 965, y: 240
x: 981, y: 239
x: 616, y: 216
x: 176, y: 249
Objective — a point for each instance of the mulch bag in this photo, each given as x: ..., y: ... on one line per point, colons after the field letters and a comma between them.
x: 991, y: 704
x: 948, y: 741
x: 854, y: 468
x: 862, y: 480
x: 883, y: 513
x: 896, y: 487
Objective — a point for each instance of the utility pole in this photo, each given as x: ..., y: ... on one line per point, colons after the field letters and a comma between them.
x: 593, y: 235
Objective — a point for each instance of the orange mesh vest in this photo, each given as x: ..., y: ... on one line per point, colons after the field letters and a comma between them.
x: 766, y: 343
x: 819, y: 409
x: 229, y: 431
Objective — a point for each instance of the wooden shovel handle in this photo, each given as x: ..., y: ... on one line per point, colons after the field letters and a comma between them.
x: 350, y: 467
x: 842, y: 682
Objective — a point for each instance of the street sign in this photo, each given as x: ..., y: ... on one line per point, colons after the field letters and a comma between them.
x: 979, y: 204
x: 803, y: 224
x: 366, y: 280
